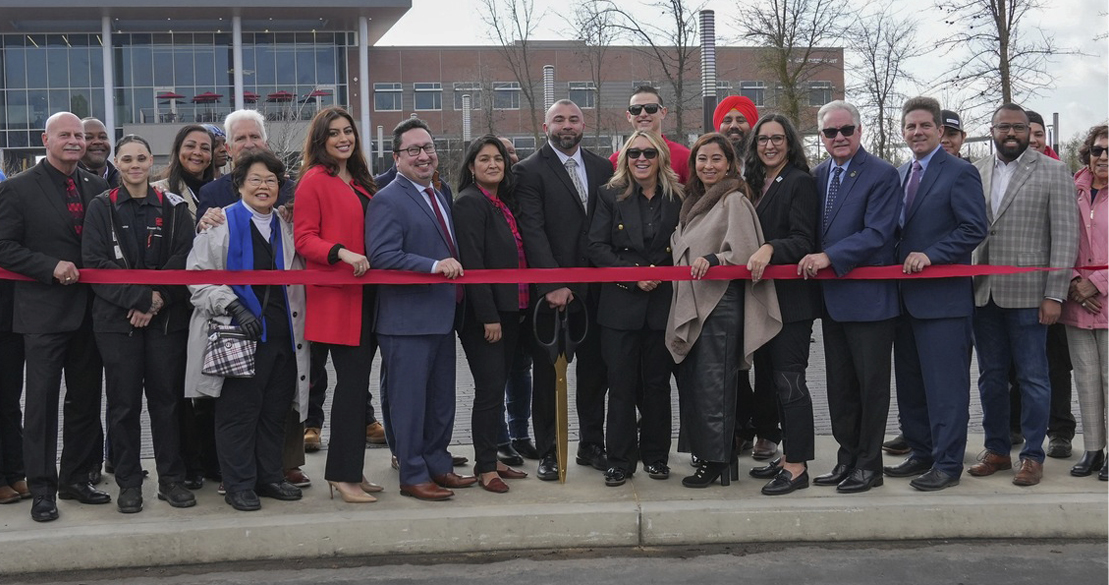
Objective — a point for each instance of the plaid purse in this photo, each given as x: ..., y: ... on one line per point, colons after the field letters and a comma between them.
x: 229, y: 352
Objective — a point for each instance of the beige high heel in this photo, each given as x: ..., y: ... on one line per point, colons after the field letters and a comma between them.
x: 370, y: 487
x: 350, y: 497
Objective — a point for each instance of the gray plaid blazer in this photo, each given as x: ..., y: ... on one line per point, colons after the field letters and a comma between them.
x: 1035, y: 225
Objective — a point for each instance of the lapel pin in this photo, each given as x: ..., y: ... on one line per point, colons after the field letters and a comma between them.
x: 619, y: 226
x: 853, y: 173
x: 778, y: 179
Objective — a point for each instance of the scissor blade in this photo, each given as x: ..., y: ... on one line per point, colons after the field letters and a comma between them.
x: 561, y: 417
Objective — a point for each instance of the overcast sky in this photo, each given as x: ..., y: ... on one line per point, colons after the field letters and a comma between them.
x: 1081, y: 95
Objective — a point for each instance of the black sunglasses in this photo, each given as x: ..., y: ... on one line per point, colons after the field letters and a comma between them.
x: 647, y: 153
x: 651, y: 109
x: 1095, y: 151
x: 846, y: 130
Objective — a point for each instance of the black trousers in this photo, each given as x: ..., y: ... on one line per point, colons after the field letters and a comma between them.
x: 1061, y: 423
x: 151, y: 361
x: 489, y: 364
x: 639, y: 370
x: 198, y: 437
x: 49, y: 355
x: 858, y: 358
x: 11, y: 413
x: 317, y: 388
x: 780, y: 371
x: 346, y: 450
x: 757, y: 409
x: 251, y: 415
x: 592, y: 384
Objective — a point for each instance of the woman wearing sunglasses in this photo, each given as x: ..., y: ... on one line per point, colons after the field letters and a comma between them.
x: 785, y: 198
x: 715, y: 326
x: 636, y: 213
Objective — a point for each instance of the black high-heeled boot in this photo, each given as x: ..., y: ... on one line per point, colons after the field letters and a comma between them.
x: 707, y: 473
x: 1088, y: 464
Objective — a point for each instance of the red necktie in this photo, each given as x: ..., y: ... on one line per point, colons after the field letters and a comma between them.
x: 446, y: 234
x: 74, y: 204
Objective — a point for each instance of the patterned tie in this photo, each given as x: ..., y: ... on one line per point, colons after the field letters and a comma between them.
x: 572, y: 170
x: 910, y: 189
x: 446, y: 234
x: 74, y: 204
x: 833, y: 190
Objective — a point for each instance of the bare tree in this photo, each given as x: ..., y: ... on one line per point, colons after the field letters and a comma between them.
x: 883, y: 44
x: 511, y: 24
x: 592, y: 23
x: 996, y: 59
x: 669, y: 37
x: 793, y: 32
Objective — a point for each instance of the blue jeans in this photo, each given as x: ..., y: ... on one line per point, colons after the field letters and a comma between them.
x: 517, y: 393
x: 1004, y: 337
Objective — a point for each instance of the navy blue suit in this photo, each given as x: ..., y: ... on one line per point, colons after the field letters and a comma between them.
x: 946, y: 221
x: 859, y: 314
x: 414, y: 326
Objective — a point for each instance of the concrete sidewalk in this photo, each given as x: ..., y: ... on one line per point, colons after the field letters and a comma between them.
x: 583, y: 513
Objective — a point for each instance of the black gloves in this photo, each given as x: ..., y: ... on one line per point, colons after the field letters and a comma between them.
x: 251, y: 325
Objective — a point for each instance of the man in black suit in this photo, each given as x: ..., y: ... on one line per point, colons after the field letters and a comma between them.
x: 41, y: 215
x: 555, y: 207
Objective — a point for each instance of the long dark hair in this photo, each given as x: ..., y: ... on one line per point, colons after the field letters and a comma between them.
x: 466, y: 176
x: 175, y: 172
x: 694, y: 187
x: 315, y: 149
x: 753, y: 168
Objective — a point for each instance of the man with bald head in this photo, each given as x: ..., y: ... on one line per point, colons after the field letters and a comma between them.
x: 42, y: 211
x: 98, y: 152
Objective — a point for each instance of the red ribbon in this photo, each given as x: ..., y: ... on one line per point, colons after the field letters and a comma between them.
x: 514, y: 276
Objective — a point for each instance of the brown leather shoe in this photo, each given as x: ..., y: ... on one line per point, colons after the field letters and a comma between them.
x: 511, y: 473
x: 764, y: 449
x: 425, y: 491
x: 495, y: 485
x: 990, y: 463
x: 8, y: 495
x: 297, y: 477
x: 21, y: 487
x: 451, y: 479
x: 1030, y: 473
x: 312, y: 441
x: 375, y: 433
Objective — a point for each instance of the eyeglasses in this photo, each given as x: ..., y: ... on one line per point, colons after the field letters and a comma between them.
x: 1095, y: 151
x: 256, y: 181
x: 1005, y: 128
x: 415, y: 150
x: 647, y: 153
x: 845, y: 130
x: 780, y: 139
x: 651, y: 109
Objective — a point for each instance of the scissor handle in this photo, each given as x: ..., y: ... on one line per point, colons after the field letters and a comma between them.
x: 553, y: 347
x: 570, y: 340
x: 564, y: 339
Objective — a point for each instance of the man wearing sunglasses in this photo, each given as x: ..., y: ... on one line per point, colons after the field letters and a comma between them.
x: 646, y: 112
x: 861, y: 201
x: 1033, y: 221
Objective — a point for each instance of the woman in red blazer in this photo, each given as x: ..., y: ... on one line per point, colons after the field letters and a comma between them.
x: 332, y: 195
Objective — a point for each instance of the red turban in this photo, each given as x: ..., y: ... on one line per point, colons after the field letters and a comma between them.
x: 735, y: 102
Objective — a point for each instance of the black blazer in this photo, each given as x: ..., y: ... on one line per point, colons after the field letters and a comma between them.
x: 485, y: 241
x: 552, y: 221
x: 36, y: 232
x: 790, y: 217
x: 616, y: 239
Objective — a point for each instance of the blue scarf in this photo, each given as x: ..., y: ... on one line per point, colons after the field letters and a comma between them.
x: 240, y: 253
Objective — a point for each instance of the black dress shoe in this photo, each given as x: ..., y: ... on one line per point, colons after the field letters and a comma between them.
x: 194, y: 481
x: 84, y: 493
x: 1058, y: 448
x: 593, y: 456
x: 458, y: 460
x: 43, y: 509
x: 281, y: 490
x: 768, y: 471
x: 784, y: 483
x: 934, y: 480
x: 911, y: 467
x: 614, y: 476
x: 526, y: 448
x: 1090, y: 461
x: 130, y: 500
x: 860, y: 480
x: 837, y: 475
x: 244, y: 501
x: 508, y: 455
x: 896, y: 446
x: 177, y: 495
x: 657, y: 470
x: 548, y: 468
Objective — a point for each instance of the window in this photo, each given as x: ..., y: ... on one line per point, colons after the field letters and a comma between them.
x: 473, y: 89
x: 387, y: 97
x: 753, y: 90
x: 506, y: 95
x: 429, y: 96
x: 584, y: 94
x: 638, y: 84
x: 820, y: 93
x: 723, y: 89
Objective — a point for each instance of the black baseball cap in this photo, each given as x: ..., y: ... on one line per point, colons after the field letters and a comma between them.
x: 951, y: 120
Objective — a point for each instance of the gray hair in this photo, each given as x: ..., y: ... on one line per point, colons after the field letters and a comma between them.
x: 837, y: 105
x: 243, y: 116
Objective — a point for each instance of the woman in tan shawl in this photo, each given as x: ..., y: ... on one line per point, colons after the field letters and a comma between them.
x: 715, y: 325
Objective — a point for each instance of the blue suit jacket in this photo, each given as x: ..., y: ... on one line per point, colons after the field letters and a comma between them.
x: 946, y: 221
x: 860, y: 232
x: 402, y: 233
